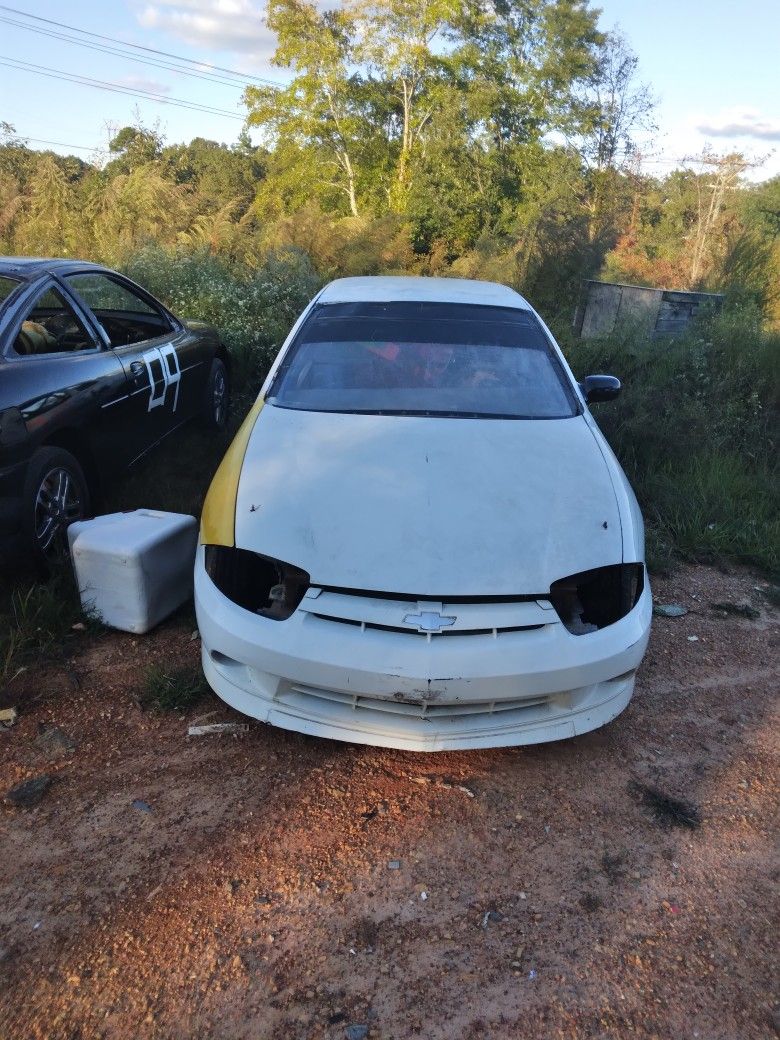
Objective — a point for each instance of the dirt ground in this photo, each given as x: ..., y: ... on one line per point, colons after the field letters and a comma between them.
x: 273, y: 885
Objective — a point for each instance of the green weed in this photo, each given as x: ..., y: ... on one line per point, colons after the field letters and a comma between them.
x: 696, y: 430
x: 253, y: 308
x: 37, y: 619
x: 173, y: 689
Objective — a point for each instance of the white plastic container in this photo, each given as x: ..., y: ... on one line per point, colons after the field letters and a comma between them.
x: 134, y: 569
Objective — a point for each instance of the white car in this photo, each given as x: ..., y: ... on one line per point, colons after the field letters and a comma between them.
x: 419, y: 537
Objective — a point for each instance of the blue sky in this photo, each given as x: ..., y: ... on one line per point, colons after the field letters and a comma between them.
x: 713, y: 66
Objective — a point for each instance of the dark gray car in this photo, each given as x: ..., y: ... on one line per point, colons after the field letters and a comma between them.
x: 93, y: 372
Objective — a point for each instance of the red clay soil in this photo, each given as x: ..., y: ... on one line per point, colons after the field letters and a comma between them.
x: 284, y: 886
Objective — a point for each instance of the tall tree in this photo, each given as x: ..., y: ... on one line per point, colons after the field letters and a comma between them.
x: 377, y: 84
x: 320, y: 109
x: 49, y: 224
x: 397, y: 40
x: 622, y: 108
x: 714, y: 190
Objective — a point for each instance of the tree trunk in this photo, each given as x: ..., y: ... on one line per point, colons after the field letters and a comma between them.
x: 346, y: 165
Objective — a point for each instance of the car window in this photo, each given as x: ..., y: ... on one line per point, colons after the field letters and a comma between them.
x: 424, y: 359
x: 51, y: 326
x: 7, y: 286
x: 125, y: 316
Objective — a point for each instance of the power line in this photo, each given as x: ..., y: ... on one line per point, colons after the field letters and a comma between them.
x: 60, y: 144
x: 104, y: 49
x: 116, y: 88
x: 139, y: 47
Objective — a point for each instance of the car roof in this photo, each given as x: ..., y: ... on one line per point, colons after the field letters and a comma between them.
x: 387, y: 289
x: 30, y: 267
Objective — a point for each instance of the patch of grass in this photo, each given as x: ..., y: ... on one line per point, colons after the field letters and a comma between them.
x: 173, y: 689
x: 743, y: 610
x: 37, y: 619
x: 713, y: 507
x: 696, y: 431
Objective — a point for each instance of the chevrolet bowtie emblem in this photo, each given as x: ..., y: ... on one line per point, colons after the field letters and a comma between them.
x: 429, y: 621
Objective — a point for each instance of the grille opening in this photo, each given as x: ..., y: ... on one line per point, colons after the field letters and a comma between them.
x: 421, y: 710
x: 429, y: 597
x: 407, y: 630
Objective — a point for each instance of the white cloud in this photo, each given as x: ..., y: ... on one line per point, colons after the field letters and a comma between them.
x: 740, y: 122
x: 216, y: 25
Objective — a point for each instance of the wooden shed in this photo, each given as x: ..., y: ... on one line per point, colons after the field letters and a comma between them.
x: 663, y: 312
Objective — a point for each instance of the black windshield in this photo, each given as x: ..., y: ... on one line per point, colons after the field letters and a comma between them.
x: 424, y: 359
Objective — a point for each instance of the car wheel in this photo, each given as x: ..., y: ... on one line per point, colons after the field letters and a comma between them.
x: 217, y: 402
x: 55, y: 495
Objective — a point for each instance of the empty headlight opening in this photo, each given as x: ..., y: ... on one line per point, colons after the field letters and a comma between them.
x: 594, y: 599
x: 265, y: 586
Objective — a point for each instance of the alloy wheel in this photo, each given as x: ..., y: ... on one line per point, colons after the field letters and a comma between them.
x: 219, y: 397
x: 58, y: 503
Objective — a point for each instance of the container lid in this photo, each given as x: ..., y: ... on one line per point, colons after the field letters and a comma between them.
x: 128, y: 533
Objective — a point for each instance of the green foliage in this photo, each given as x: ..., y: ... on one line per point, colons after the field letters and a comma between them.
x: 173, y: 689
x: 696, y: 430
x: 36, y: 621
x: 134, y: 146
x: 253, y: 307
x: 386, y: 95
x: 218, y: 175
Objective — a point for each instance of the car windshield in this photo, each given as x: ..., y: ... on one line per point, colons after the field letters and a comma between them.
x: 424, y: 359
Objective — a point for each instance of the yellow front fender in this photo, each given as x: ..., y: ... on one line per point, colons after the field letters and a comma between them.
x: 218, y: 520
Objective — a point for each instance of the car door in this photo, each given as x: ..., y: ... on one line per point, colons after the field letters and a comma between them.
x: 60, y: 376
x: 163, y: 360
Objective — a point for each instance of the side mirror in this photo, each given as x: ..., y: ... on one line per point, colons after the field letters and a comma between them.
x: 600, y: 388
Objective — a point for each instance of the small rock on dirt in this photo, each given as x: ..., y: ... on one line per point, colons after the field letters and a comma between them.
x: 30, y: 792
x: 669, y: 610
x: 141, y: 805
x: 54, y: 739
x: 8, y: 717
x: 217, y: 728
x: 356, y: 1032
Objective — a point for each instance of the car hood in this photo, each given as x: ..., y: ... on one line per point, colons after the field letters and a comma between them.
x: 434, y: 507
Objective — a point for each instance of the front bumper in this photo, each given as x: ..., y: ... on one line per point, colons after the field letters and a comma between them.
x: 373, y: 684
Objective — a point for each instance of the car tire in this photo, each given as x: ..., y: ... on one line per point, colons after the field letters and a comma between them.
x: 56, y: 494
x: 216, y: 405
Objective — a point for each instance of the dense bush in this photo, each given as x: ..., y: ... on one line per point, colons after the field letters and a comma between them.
x: 253, y: 308
x: 696, y: 429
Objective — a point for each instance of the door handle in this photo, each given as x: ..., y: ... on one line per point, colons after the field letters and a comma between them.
x: 137, y: 369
